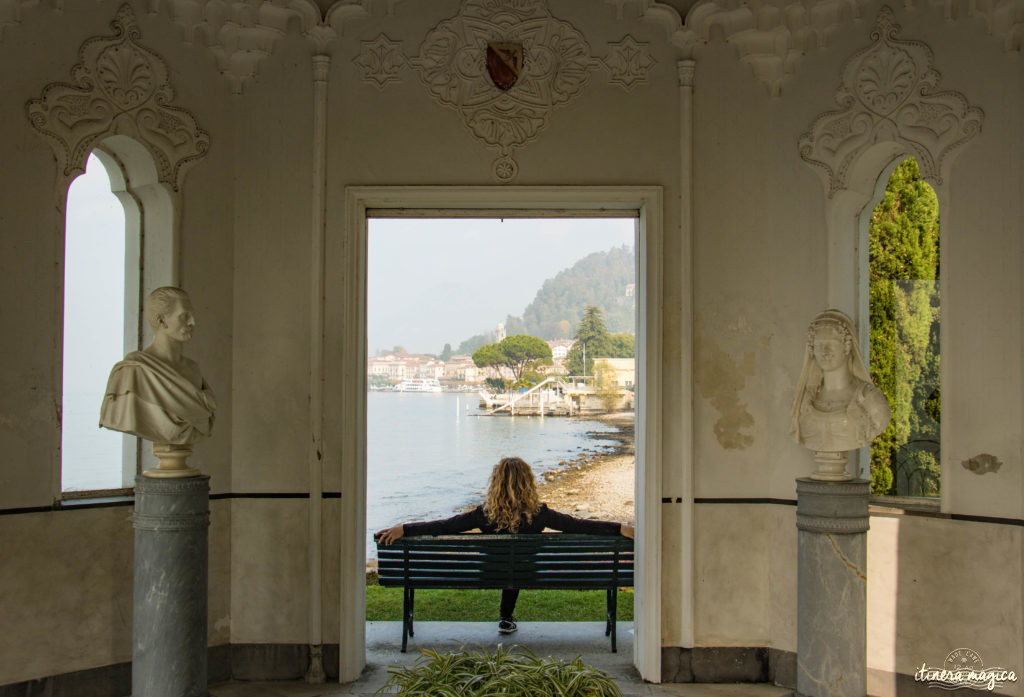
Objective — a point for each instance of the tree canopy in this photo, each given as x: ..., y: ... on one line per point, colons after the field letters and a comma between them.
x: 518, y: 353
x: 593, y: 333
x: 903, y: 248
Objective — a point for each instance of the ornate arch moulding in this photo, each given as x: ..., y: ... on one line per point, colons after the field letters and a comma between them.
x: 888, y: 95
x: 505, y: 67
x: 120, y: 88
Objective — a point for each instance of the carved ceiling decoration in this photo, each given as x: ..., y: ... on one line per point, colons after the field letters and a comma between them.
x: 120, y: 88
x: 888, y: 93
x: 505, y: 66
x: 773, y: 39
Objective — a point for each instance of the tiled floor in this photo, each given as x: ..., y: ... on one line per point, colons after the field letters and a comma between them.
x: 563, y: 640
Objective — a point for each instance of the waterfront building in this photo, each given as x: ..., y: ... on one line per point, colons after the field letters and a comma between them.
x: 749, y: 141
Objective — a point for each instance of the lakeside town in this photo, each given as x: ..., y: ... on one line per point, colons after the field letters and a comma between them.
x: 552, y: 390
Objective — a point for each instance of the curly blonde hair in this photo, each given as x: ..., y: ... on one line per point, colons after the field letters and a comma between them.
x: 511, y: 494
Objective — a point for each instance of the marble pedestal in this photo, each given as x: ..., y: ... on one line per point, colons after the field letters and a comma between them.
x: 171, y: 540
x: 832, y: 523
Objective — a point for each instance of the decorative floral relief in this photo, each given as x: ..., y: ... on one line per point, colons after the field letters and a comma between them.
x: 888, y: 93
x: 629, y: 62
x: 120, y: 87
x: 504, y: 66
x: 553, y: 67
x: 381, y: 60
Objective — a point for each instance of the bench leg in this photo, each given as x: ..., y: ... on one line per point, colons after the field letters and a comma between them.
x: 608, y: 612
x: 412, y: 610
x: 613, y: 611
x: 407, y: 605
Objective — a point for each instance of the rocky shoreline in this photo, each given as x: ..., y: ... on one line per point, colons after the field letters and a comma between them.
x: 598, y: 486
x: 593, y: 485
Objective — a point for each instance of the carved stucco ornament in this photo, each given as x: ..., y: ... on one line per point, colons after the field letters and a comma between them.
x: 628, y: 63
x: 555, y: 65
x: 888, y: 94
x: 120, y: 88
x: 381, y: 61
x: 504, y: 66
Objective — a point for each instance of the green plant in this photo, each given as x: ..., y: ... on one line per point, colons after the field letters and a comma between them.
x: 513, y: 672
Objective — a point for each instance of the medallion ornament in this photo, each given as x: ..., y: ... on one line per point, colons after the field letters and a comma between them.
x: 120, y: 88
x: 888, y: 93
x: 504, y: 66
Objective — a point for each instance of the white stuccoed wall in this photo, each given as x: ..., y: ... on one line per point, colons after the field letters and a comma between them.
x: 760, y: 239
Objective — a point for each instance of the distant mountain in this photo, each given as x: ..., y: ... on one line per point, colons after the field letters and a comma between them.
x: 605, y: 279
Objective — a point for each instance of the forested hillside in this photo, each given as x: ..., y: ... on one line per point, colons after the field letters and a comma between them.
x: 602, y: 279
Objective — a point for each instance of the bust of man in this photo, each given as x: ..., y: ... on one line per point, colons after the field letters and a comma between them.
x: 158, y: 393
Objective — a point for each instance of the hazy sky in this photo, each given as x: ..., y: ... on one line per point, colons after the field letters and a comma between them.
x: 432, y: 282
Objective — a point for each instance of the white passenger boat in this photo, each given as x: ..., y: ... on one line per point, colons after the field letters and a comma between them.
x: 418, y: 385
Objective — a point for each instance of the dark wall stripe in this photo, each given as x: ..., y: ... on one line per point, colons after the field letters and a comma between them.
x: 85, y: 504
x: 777, y: 502
x: 986, y: 519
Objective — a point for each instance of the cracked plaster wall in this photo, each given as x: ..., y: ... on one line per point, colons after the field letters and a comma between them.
x: 759, y: 275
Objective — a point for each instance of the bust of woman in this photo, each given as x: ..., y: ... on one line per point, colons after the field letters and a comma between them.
x: 837, y: 408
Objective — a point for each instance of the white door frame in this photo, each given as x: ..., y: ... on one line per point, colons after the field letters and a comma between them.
x: 494, y: 202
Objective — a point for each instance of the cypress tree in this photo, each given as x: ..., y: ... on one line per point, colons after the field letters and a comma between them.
x: 904, y: 309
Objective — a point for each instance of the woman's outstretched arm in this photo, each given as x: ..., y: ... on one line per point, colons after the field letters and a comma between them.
x: 389, y: 535
x: 445, y: 526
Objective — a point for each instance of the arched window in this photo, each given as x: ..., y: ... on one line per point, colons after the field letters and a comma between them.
x: 904, y: 309
x: 102, y: 275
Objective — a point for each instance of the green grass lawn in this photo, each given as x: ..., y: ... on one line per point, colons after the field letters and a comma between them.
x: 482, y: 605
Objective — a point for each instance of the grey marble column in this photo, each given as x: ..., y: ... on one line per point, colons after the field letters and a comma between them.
x: 171, y: 540
x: 832, y: 523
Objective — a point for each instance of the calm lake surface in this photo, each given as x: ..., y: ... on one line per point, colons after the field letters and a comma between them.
x: 427, y: 458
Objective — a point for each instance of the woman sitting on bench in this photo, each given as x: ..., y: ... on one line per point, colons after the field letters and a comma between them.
x: 511, y: 506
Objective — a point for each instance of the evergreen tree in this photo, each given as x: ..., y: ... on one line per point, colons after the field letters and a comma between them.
x: 446, y: 353
x: 904, y: 309
x: 592, y: 334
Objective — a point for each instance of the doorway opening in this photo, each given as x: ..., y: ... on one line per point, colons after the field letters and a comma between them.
x: 643, y: 206
x: 489, y: 338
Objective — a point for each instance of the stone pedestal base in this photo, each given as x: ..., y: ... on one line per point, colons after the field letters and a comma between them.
x: 172, y: 518
x: 832, y: 519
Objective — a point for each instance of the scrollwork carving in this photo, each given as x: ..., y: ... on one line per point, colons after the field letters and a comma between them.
x: 381, y: 61
x: 628, y: 62
x: 452, y: 64
x: 888, y: 93
x: 120, y: 87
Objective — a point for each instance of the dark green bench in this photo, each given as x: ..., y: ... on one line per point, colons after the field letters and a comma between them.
x: 547, y: 560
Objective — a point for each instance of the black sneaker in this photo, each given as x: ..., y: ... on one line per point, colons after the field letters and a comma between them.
x: 507, y: 626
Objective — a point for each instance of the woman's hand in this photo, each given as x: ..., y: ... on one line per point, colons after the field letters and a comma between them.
x: 389, y: 535
x: 626, y: 530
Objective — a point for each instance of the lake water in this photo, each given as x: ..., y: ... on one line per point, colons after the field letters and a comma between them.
x: 427, y: 458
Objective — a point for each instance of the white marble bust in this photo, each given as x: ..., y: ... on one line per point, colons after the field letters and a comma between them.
x: 837, y: 408
x: 158, y: 393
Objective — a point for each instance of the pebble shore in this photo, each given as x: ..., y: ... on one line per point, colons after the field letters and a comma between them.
x: 598, y: 486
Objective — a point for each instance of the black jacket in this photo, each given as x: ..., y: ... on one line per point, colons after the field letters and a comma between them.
x: 545, y: 518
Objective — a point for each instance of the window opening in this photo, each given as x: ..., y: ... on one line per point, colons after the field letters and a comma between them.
x: 443, y: 406
x: 100, y: 298
x: 904, y: 309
